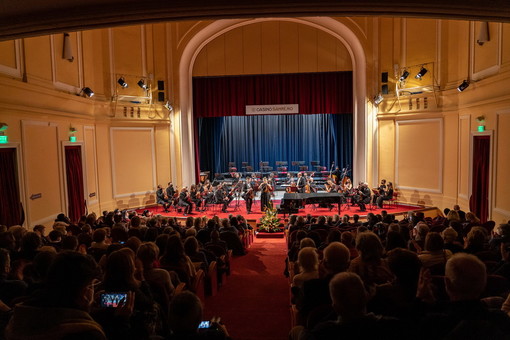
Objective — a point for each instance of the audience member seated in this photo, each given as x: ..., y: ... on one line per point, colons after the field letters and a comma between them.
x: 175, y: 259
x: 398, y: 298
x: 500, y: 234
x: 347, y: 238
x: 394, y: 238
x: 418, y: 235
x: 475, y: 240
x: 217, y: 241
x: 185, y: 317
x: 308, y: 262
x: 370, y: 265
x: 450, y: 237
x: 465, y: 316
x: 61, y: 309
x: 321, y: 224
x: 192, y: 250
x: 435, y: 256
x: 9, y: 289
x: 353, y: 322
x: 119, y: 276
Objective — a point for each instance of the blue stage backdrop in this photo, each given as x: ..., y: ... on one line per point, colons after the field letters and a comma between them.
x: 326, y: 138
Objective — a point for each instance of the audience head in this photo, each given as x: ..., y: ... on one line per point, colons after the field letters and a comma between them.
x: 348, y: 295
x: 70, y: 281
x: 421, y: 229
x: 191, y: 245
x: 334, y: 235
x: 70, y: 242
x: 465, y: 277
x: 30, y: 242
x: 120, y: 270
x: 434, y: 242
x: 185, y: 313
x: 308, y: 259
x: 55, y: 236
x: 347, y: 238
x: 307, y: 242
x: 370, y: 247
x: 503, y: 230
x: 336, y: 257
x: 449, y: 235
x: 405, y: 265
x: 148, y: 252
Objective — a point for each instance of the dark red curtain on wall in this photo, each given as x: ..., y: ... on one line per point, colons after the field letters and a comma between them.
x: 10, y: 205
x: 327, y: 92
x: 479, y: 200
x: 74, y: 174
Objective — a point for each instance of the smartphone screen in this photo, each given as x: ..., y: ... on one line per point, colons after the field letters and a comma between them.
x: 112, y: 300
x: 204, y: 324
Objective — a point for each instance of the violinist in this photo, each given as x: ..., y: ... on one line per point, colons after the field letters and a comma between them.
x: 357, y: 194
x: 220, y: 197
x: 195, y: 197
x: 329, y: 186
x: 292, y: 188
x: 364, y: 196
x: 310, y: 185
x: 170, y: 191
x: 380, y: 190
x: 301, y: 182
x: 162, y: 199
x: 248, y: 194
x: 265, y: 196
x: 388, y: 194
x: 185, y: 201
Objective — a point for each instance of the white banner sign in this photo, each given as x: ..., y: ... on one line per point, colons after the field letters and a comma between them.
x: 272, y: 109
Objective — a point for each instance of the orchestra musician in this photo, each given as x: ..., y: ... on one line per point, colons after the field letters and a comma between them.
x: 195, y: 197
x: 329, y: 186
x: 185, y: 201
x: 310, y: 185
x: 364, y: 196
x: 265, y: 196
x: 161, y: 198
x: 292, y: 188
x: 386, y: 195
x: 220, y: 197
x: 301, y: 182
x: 236, y: 179
x: 379, y: 190
x: 357, y: 194
x: 170, y: 191
x: 248, y: 194
x: 336, y: 175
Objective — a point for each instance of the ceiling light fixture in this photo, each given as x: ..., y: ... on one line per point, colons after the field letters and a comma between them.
x: 404, y: 75
x: 142, y: 84
x: 463, y: 86
x: 122, y: 82
x: 422, y: 72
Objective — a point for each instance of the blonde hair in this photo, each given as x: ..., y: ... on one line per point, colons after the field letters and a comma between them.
x: 308, y: 259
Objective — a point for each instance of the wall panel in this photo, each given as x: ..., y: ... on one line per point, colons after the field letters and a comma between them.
x: 42, y: 171
x: 464, y: 141
x: 89, y: 138
x: 502, y: 182
x: 419, y: 155
x: 386, y: 151
x: 65, y: 71
x: 8, y: 53
x: 133, y: 161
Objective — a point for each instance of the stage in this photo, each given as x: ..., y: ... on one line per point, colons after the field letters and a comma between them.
x: 238, y: 207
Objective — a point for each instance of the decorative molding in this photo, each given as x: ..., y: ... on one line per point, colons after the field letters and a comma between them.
x: 16, y: 72
x: 502, y: 211
x: 94, y: 151
x: 112, y: 155
x: 472, y: 41
x: 496, y: 149
x: 439, y: 190
x: 468, y: 118
x: 24, y: 124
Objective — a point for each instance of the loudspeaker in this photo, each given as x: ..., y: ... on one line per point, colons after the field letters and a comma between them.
x: 384, y: 77
x: 161, y: 85
x: 161, y: 96
x: 384, y: 89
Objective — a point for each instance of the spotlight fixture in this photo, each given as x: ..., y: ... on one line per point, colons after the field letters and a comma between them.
x: 378, y: 99
x: 463, y: 86
x: 421, y: 73
x: 168, y: 106
x: 87, y: 91
x: 404, y: 75
x: 142, y: 84
x: 122, y: 82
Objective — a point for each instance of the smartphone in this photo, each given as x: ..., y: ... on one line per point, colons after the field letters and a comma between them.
x: 204, y: 325
x: 112, y: 300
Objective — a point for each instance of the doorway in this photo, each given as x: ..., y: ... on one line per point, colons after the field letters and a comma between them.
x: 10, y: 202
x: 76, y: 204
x: 480, y: 178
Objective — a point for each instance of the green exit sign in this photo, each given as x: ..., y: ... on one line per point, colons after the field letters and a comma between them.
x: 481, y: 128
x: 72, y: 139
x: 4, y: 139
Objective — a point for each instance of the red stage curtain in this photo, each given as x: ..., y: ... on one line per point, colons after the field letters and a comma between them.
x: 328, y: 92
x: 10, y: 205
x: 479, y: 200
x: 75, y: 194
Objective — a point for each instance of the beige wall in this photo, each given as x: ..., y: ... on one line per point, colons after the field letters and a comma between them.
x: 421, y: 142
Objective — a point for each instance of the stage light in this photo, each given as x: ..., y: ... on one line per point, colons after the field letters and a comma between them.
x: 404, y: 75
x: 483, y: 35
x: 122, y: 82
x: 87, y: 91
x: 422, y: 72
x: 142, y: 84
x: 463, y: 86
x: 168, y: 107
x: 67, y: 51
x: 378, y: 99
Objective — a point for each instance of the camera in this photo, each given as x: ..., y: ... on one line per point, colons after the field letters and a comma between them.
x: 112, y: 300
x: 204, y: 325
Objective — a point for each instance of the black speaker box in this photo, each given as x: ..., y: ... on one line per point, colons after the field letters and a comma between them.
x: 384, y: 89
x: 161, y: 96
x: 161, y: 85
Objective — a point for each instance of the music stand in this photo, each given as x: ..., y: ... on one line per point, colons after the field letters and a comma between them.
x: 315, y: 163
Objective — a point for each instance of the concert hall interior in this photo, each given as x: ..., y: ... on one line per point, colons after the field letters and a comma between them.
x: 194, y: 109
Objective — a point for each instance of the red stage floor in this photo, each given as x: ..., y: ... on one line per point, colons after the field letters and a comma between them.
x: 240, y: 209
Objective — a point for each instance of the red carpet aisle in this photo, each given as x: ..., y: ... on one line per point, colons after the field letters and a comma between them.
x: 254, y: 303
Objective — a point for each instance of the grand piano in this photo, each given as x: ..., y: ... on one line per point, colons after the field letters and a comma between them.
x: 291, y: 202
